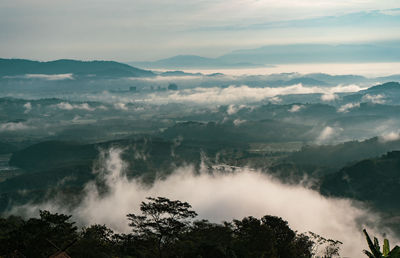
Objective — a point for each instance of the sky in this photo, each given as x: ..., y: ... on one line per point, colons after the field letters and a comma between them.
x: 147, y: 30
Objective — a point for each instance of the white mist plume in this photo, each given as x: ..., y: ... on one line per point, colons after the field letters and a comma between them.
x: 218, y: 197
x: 238, y: 122
x: 241, y: 94
x: 346, y: 107
x: 51, y: 77
x: 47, y: 77
x: 14, y: 126
x: 213, y: 96
x: 68, y: 106
x: 329, y: 97
x: 377, y: 99
x: 120, y: 106
x: 28, y: 107
x: 328, y: 134
x: 296, y: 108
x: 233, y: 109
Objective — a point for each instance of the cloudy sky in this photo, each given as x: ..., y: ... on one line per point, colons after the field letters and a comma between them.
x: 139, y: 30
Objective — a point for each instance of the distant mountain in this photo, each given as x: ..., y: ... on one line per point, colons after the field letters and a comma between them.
x: 306, y: 81
x: 15, y: 67
x: 316, y: 53
x: 179, y: 73
x: 338, y: 79
x: 389, y: 86
x: 192, y: 61
x: 285, y: 54
x: 387, y: 93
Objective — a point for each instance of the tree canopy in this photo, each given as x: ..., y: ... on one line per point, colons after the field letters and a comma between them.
x: 165, y: 228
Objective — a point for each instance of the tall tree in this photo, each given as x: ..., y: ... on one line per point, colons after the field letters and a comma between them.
x: 162, y: 221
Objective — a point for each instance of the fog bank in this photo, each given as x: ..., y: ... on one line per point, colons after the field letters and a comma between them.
x: 218, y: 197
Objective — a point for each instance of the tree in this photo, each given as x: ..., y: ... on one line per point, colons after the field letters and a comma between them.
x: 375, y: 251
x: 163, y: 221
x: 95, y: 241
x: 37, y: 237
x: 205, y: 239
x: 331, y: 248
x: 252, y: 238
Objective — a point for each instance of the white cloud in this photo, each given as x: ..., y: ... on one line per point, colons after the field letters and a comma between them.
x: 275, y: 100
x: 328, y: 134
x: 167, y: 78
x: 28, y: 107
x: 233, y: 109
x: 239, y: 94
x: 346, y: 107
x: 329, y: 97
x: 377, y: 99
x: 238, y: 122
x: 121, y: 106
x: 48, y: 77
x: 51, y: 77
x: 68, y: 106
x: 296, y: 108
x: 222, y: 196
x: 12, y: 126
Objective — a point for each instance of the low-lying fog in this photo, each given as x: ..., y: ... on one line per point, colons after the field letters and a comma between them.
x: 221, y: 197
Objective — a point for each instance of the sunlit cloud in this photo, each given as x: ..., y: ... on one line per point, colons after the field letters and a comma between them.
x: 391, y: 136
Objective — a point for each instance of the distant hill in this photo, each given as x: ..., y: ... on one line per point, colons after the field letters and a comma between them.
x: 342, y: 154
x: 285, y: 54
x: 338, y: 79
x: 179, y: 73
x: 375, y: 180
x: 389, y: 86
x: 14, y: 67
x: 192, y: 61
x: 316, y: 53
x: 46, y: 164
x: 231, y: 134
x: 387, y: 93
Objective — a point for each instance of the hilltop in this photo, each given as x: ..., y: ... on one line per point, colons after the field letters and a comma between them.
x: 15, y: 67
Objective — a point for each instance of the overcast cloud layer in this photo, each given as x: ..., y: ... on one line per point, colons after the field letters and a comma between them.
x: 151, y: 29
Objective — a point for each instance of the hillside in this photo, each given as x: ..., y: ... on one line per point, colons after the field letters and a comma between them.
x: 375, y: 181
x: 342, y: 154
x: 13, y: 67
x: 386, y: 93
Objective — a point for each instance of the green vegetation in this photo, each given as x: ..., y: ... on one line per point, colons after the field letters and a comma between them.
x: 375, y: 251
x: 164, y: 229
x: 101, y: 68
x: 53, y: 129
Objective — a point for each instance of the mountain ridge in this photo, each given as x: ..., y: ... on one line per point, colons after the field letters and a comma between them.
x: 270, y: 55
x: 15, y: 67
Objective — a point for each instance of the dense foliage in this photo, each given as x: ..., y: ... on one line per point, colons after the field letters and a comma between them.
x: 164, y: 229
x: 375, y: 251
